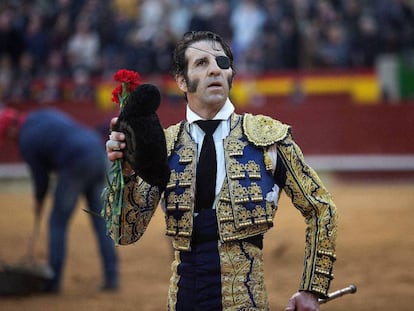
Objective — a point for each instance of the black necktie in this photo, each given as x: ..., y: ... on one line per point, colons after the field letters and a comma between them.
x: 207, y: 167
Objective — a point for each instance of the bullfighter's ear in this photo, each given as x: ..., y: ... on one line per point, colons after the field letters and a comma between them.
x: 181, y: 83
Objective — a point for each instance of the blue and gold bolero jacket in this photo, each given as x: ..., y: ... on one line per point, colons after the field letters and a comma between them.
x: 242, y: 207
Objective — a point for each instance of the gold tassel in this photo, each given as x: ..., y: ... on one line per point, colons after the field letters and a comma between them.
x: 267, y: 160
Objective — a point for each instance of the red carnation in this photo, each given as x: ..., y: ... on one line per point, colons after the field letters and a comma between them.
x: 127, y: 76
x: 129, y: 82
x: 116, y: 93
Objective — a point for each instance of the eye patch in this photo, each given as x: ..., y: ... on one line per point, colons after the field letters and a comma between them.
x: 223, y: 62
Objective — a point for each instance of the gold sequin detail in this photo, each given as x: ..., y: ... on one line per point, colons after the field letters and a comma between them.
x: 243, y: 285
x: 262, y: 130
x: 186, y: 155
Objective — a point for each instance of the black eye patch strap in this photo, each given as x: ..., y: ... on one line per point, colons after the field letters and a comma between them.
x: 222, y: 61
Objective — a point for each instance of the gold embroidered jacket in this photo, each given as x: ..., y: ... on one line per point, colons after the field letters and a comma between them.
x: 302, y: 185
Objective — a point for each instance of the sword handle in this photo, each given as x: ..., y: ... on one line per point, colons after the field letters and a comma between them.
x: 351, y: 289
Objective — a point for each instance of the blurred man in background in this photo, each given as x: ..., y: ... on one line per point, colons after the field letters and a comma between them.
x: 51, y: 142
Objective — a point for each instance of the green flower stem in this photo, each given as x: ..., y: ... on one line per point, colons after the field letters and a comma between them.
x: 113, y: 194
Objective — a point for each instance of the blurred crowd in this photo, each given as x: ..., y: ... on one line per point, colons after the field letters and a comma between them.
x: 82, y: 40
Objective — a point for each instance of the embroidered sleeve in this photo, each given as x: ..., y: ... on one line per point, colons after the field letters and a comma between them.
x: 310, y: 197
x: 141, y: 201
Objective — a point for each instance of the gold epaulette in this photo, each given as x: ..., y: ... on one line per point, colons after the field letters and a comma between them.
x: 264, y: 131
x: 171, y: 136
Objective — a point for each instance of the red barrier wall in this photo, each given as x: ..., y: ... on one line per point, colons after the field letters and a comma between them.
x: 337, y: 126
x: 321, y: 125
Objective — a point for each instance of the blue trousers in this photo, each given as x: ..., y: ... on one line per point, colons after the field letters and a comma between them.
x: 86, y: 178
x: 200, y: 278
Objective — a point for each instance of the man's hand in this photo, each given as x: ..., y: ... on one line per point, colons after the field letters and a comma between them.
x: 115, y: 143
x: 303, y: 301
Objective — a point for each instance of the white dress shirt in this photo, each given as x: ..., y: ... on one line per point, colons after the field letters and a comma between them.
x: 222, y: 131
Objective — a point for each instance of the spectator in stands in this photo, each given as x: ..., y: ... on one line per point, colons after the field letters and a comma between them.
x: 163, y: 46
x: 83, y: 47
x: 394, y: 17
x: 53, y: 143
x: 22, y: 88
x: 201, y: 13
x: 271, y: 44
x: 139, y: 53
x: 101, y: 18
x: 351, y: 14
x: 83, y: 89
x: 179, y: 17
x: 60, y: 32
x: 325, y: 12
x: 150, y: 17
x: 128, y: 7
x: 289, y: 43
x: 56, y: 63
x: 366, y: 45
x: 106, y: 47
x: 280, y: 37
x: 219, y: 21
x: 36, y: 40
x: 113, y: 49
x: 334, y: 49
x: 51, y: 92
x: 6, y: 76
x: 11, y: 40
x: 246, y: 12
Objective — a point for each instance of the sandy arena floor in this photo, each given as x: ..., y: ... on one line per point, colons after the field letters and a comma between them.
x: 375, y: 252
